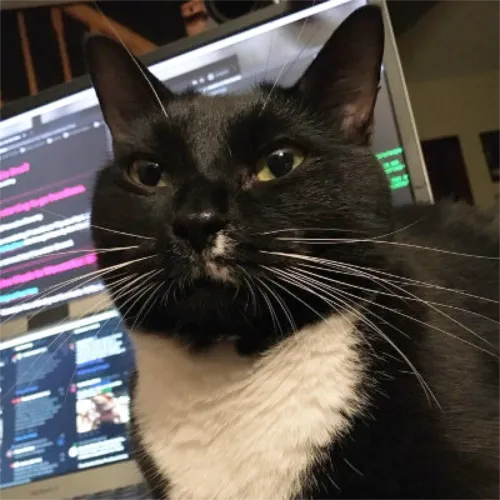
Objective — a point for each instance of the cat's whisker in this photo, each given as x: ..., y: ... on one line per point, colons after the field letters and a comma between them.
x: 131, y: 292
x: 138, y: 66
x: 92, y: 250
x: 300, y: 284
x: 124, y: 233
x: 395, y: 311
x: 347, y: 270
x: 298, y: 299
x: 305, y: 303
x: 89, y: 277
x: 138, y: 298
x: 138, y: 277
x: 30, y: 370
x: 248, y: 280
x: 341, y: 241
x: 312, y: 259
x: 300, y: 229
x: 406, y: 292
x: 268, y: 58
x: 167, y: 293
x: 128, y: 288
x: 86, y: 251
x: 270, y: 307
x: 58, y: 286
x: 413, y: 370
x: 141, y: 284
x: 354, y: 308
x: 251, y: 293
x: 115, y: 231
x: 318, y: 229
x: 283, y: 305
x: 283, y: 68
x: 153, y: 296
x: 413, y: 282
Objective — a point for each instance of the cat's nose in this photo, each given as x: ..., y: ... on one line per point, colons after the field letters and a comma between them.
x: 200, y: 212
x: 199, y: 228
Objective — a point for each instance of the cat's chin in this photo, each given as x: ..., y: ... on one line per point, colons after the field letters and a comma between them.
x: 219, y: 272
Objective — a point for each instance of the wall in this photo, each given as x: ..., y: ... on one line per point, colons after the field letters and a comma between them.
x: 451, y: 62
x: 465, y: 107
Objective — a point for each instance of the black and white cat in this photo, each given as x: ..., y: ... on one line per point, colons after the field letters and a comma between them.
x: 296, y: 336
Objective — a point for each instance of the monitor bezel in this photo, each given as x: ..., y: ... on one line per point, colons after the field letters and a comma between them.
x: 125, y: 473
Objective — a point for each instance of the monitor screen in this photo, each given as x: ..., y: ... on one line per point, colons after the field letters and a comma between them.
x: 49, y: 155
x: 64, y: 399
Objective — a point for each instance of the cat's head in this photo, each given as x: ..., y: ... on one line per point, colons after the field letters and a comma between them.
x: 227, y: 200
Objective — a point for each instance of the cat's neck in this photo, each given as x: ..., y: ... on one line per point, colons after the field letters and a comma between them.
x: 211, y: 416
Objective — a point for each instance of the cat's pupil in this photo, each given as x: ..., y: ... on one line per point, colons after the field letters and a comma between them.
x: 280, y: 162
x: 149, y: 173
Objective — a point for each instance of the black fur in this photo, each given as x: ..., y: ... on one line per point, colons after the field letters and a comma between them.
x: 157, y: 484
x: 208, y: 149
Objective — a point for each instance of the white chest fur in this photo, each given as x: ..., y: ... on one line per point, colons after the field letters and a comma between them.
x: 224, y: 427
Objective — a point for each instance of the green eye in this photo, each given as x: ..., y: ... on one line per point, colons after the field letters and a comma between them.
x: 279, y: 163
x: 147, y: 173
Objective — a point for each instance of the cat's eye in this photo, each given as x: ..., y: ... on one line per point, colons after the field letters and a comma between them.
x: 147, y: 173
x: 279, y: 163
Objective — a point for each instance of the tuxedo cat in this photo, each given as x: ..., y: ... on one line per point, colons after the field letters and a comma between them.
x: 296, y: 335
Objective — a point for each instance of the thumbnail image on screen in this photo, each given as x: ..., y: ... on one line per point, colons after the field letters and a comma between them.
x: 102, y: 409
x: 49, y: 157
x: 65, y: 400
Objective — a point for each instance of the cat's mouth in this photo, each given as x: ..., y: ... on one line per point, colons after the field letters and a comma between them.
x: 219, y: 272
x: 229, y: 259
x: 214, y: 259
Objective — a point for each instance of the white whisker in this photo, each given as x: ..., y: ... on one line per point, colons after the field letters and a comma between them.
x: 115, y: 231
x: 341, y: 241
x: 425, y: 386
x: 283, y: 68
x: 395, y: 311
x: 309, y: 258
x: 132, y: 57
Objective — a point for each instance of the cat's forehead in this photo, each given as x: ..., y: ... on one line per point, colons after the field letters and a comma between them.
x: 211, y: 124
x: 199, y: 110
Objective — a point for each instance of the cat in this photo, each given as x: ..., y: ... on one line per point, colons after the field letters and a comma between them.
x: 296, y: 335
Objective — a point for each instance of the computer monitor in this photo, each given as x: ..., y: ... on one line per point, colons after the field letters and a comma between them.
x: 65, y: 401
x: 52, y: 145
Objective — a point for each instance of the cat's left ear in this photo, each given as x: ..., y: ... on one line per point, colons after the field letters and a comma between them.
x: 126, y: 89
x: 345, y: 75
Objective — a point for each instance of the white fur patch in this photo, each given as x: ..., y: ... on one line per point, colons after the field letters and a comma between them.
x: 218, y: 272
x: 220, y: 426
x: 220, y: 248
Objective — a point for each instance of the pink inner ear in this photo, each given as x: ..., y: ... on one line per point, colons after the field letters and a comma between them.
x: 356, y: 120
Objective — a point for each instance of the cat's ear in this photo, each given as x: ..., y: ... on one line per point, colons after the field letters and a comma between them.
x: 126, y: 89
x: 345, y: 75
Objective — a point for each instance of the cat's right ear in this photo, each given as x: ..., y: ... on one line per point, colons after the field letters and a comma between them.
x: 126, y: 89
x: 344, y: 78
